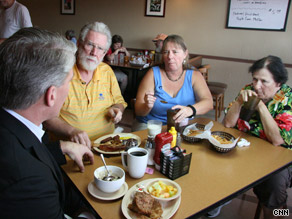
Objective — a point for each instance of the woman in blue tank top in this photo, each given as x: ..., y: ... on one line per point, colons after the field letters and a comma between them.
x: 172, y: 85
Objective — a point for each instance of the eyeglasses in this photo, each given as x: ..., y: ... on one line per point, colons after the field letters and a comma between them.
x: 89, y: 46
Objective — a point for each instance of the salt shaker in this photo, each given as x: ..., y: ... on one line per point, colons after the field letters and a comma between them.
x: 178, y: 139
x: 150, y: 147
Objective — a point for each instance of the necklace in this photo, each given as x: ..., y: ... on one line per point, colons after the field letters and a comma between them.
x: 179, y: 77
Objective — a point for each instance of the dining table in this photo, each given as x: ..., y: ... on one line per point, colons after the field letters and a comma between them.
x: 213, y: 178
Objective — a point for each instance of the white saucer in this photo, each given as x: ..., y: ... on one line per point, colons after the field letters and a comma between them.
x: 95, y: 192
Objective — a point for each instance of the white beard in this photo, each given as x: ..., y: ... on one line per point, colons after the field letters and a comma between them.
x: 87, y: 65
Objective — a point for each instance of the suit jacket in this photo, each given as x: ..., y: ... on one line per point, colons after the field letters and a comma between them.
x: 31, y: 183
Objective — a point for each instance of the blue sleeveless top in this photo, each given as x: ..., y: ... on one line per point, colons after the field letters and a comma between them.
x: 184, y: 97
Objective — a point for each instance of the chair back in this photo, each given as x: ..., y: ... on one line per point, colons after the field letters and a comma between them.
x: 204, y: 69
x: 196, y: 61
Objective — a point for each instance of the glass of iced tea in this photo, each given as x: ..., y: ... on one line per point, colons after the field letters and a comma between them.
x: 249, y: 108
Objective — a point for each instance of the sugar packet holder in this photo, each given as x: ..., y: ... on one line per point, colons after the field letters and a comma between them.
x: 175, y: 164
x: 204, y: 135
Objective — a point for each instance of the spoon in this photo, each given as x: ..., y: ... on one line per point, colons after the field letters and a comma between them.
x: 108, y: 177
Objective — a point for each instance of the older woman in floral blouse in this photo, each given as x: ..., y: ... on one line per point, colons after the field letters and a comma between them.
x: 272, y: 121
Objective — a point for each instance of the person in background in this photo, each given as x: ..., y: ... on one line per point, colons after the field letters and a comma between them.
x: 158, y: 42
x: 13, y: 16
x: 34, y: 83
x: 173, y: 85
x: 272, y: 121
x: 94, y: 103
x: 115, y: 49
x: 70, y: 35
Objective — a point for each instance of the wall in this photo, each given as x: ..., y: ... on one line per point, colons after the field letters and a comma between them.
x: 200, y: 22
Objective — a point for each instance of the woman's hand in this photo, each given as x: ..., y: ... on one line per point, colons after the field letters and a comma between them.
x: 260, y: 105
x: 244, y: 96
x: 149, y: 99
x: 184, y: 112
x: 122, y: 49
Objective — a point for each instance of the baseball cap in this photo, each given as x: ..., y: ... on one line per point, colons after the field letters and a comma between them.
x: 160, y: 36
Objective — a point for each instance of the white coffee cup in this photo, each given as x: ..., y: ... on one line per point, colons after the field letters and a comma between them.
x: 154, y: 127
x: 135, y: 161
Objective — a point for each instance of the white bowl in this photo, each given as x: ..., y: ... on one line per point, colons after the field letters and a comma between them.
x: 109, y: 186
x: 167, y: 182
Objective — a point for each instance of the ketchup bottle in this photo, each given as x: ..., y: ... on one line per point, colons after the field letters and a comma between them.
x: 161, y: 140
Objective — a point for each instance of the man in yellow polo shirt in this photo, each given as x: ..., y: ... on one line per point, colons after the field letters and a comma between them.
x: 94, y: 103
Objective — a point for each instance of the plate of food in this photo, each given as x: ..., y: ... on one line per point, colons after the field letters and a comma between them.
x: 222, y: 141
x: 190, y: 132
x: 116, y: 143
x: 137, y: 202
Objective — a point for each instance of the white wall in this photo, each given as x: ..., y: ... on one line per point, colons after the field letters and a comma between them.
x: 200, y: 22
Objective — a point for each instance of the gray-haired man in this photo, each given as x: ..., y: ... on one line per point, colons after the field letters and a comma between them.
x: 35, y: 71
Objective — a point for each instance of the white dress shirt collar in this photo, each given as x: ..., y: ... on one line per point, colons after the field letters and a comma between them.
x: 36, y: 130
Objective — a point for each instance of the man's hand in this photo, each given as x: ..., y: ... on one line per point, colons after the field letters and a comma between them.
x: 80, y: 137
x: 61, y: 128
x: 115, y: 114
x: 77, y: 152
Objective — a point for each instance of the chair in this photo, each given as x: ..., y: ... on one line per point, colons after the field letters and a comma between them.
x: 217, y: 89
x: 218, y: 99
x: 258, y: 211
x: 196, y: 61
x: 204, y: 69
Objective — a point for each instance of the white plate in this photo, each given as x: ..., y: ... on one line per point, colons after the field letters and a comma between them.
x: 169, y: 208
x: 95, y: 192
x: 130, y: 135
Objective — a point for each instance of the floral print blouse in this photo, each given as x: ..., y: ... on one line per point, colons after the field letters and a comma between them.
x: 280, y: 109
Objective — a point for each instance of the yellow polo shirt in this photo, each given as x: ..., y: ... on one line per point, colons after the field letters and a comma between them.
x: 87, y: 105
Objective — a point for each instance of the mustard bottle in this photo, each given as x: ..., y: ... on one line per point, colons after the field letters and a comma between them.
x: 174, y: 134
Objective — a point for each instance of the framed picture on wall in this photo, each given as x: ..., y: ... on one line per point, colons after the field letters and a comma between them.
x: 68, y: 7
x: 155, y: 8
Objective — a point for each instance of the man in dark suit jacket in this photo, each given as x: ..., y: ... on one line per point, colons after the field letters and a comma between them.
x: 35, y: 71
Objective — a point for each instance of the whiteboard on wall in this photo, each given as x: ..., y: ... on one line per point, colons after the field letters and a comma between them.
x: 258, y: 14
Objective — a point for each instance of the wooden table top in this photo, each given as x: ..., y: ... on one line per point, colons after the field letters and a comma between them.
x: 213, y: 177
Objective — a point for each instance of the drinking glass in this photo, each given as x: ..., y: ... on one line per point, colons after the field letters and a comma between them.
x: 249, y: 108
x: 154, y: 127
